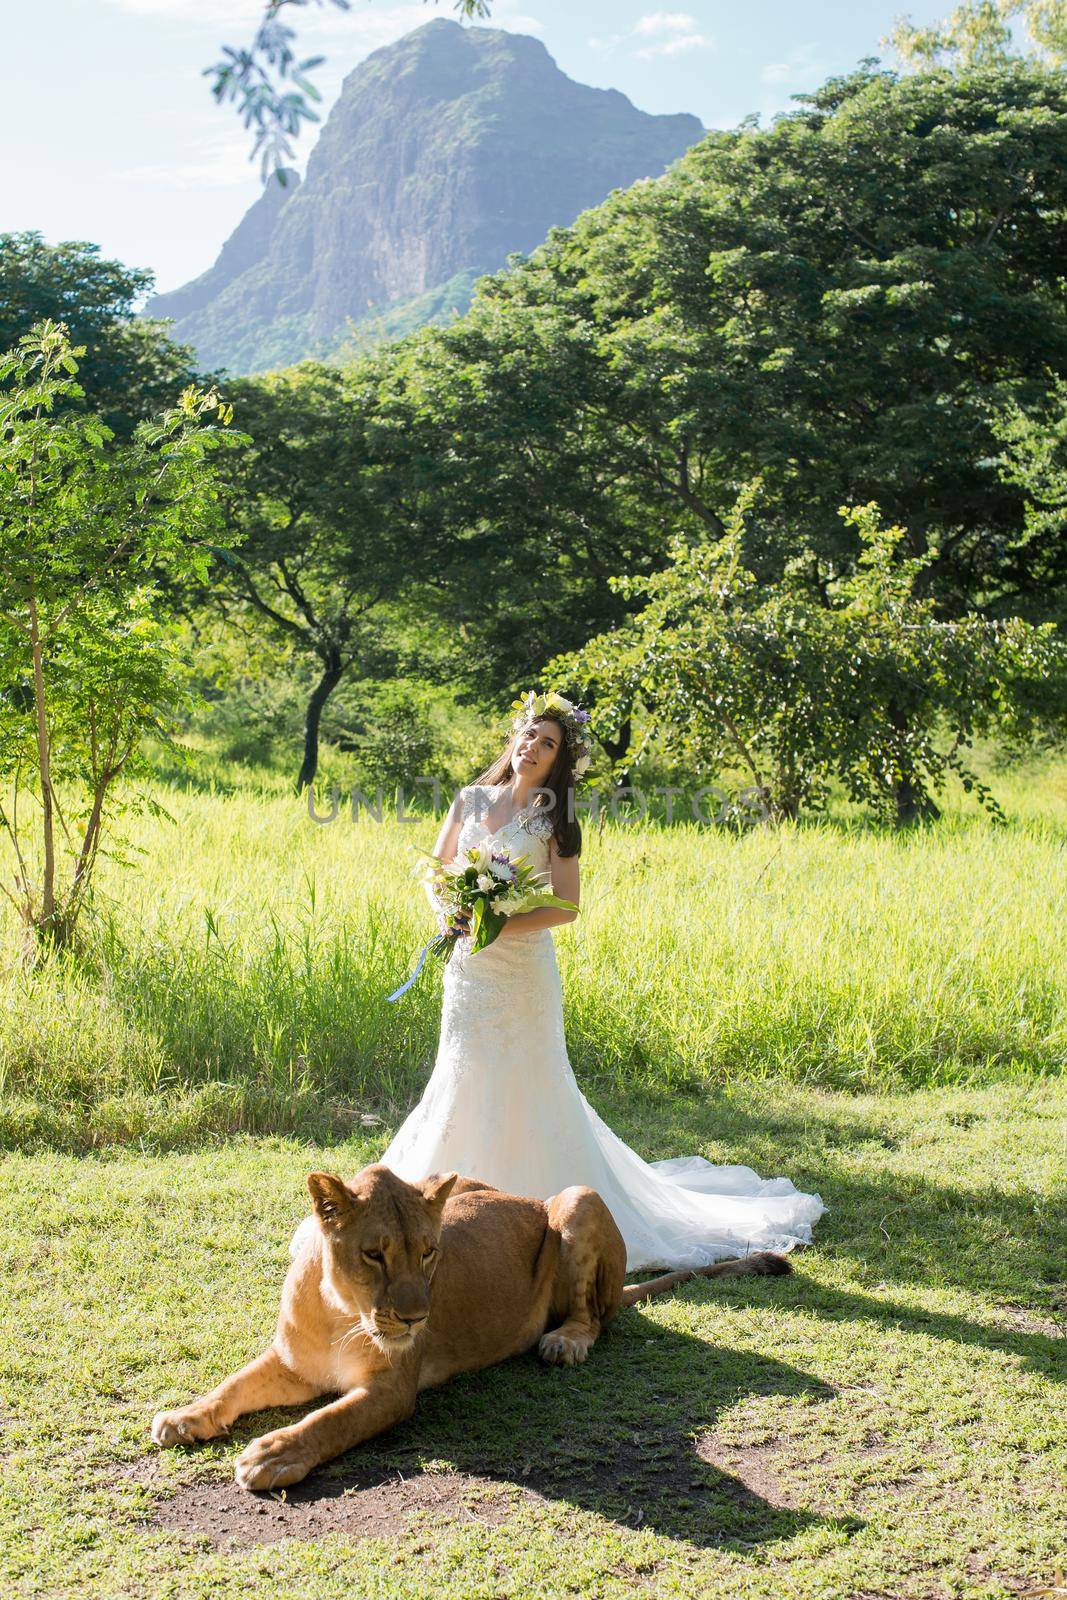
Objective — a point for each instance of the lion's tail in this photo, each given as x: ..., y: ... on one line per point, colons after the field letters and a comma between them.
x: 766, y: 1263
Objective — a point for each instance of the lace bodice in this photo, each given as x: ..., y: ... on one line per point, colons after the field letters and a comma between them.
x: 528, y: 832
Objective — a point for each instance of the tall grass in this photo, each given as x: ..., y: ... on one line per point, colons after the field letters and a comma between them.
x: 234, y: 974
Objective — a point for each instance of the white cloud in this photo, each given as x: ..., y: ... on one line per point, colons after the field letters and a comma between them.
x: 365, y: 26
x: 213, y: 163
x: 372, y: 25
x: 513, y: 21
x: 659, y: 33
x: 369, y: 26
x: 801, y: 71
x: 802, y: 66
x: 226, y: 13
x: 665, y: 22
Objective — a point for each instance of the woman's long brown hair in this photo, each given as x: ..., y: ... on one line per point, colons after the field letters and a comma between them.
x: 560, y: 781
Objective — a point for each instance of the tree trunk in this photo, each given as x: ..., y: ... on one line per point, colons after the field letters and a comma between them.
x: 332, y: 672
x: 44, y: 757
x: 912, y: 801
x: 617, y: 748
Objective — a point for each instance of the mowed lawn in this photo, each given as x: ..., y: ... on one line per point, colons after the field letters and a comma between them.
x: 881, y: 1017
x: 888, y: 1421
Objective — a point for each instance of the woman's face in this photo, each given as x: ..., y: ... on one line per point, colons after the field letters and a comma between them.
x: 535, y: 751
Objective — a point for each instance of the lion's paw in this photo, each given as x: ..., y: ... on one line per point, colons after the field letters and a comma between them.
x: 562, y: 1350
x: 272, y: 1462
x: 189, y: 1425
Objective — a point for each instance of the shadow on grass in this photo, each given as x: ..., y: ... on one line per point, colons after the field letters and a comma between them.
x: 616, y: 1437
x: 619, y: 1435
x: 904, y: 1230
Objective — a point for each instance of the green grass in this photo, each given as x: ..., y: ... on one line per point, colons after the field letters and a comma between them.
x: 234, y: 974
x: 884, y: 1423
x: 880, y: 1016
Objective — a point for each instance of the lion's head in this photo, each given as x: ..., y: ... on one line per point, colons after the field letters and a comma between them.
x: 380, y: 1248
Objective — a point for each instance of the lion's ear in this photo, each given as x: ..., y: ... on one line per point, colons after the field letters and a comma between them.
x: 438, y: 1187
x: 333, y: 1202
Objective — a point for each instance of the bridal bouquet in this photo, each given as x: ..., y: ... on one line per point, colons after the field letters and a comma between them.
x: 477, y: 892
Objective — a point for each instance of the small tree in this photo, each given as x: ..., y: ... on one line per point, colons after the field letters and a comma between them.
x: 340, y: 515
x: 979, y: 33
x: 88, y: 664
x: 794, y: 689
x: 133, y: 370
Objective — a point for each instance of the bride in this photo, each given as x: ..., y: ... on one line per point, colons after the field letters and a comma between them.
x: 502, y: 1103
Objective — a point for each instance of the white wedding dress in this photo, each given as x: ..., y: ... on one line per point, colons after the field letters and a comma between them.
x: 502, y: 1104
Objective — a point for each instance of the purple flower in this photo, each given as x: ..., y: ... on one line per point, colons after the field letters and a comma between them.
x: 501, y: 856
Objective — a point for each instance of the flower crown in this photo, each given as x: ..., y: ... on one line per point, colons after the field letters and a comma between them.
x: 574, y: 721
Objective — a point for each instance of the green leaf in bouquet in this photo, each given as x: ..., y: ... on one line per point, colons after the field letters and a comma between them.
x: 485, y: 925
x: 492, y: 922
x: 534, y: 902
x: 477, y: 913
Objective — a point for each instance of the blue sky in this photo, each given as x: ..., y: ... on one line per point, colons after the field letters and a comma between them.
x: 121, y: 142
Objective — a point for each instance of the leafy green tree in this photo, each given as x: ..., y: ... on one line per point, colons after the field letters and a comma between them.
x: 794, y: 693
x: 837, y: 303
x: 133, y: 369
x: 395, y: 746
x: 979, y: 33
x: 335, y: 519
x: 531, y: 518
x: 86, y: 527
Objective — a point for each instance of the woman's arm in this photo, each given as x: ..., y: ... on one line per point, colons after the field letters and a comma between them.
x: 447, y: 844
x: 563, y: 871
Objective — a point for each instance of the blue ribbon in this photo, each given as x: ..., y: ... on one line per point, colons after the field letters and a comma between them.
x: 404, y: 987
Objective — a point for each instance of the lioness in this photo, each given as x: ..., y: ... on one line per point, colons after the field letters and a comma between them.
x: 398, y: 1287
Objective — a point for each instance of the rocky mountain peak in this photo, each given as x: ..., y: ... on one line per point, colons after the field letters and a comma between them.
x: 445, y: 152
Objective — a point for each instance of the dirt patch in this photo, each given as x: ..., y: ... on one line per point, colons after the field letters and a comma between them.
x: 716, y: 1494
x: 638, y: 1574
x: 1048, y: 1585
x: 1020, y: 1319
x: 752, y: 1470
x: 362, y: 1505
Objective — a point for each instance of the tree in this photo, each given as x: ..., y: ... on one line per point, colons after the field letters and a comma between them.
x: 257, y: 78
x: 132, y: 370
x: 978, y: 33
x: 795, y: 693
x: 838, y: 303
x: 503, y: 414
x: 86, y: 526
x: 334, y: 521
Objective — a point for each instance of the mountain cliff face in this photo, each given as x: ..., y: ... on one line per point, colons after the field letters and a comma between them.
x: 445, y: 152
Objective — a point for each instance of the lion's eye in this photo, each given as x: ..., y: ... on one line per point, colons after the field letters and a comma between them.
x: 374, y: 1255
x: 428, y: 1255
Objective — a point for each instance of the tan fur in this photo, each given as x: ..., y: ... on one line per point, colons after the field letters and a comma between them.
x: 470, y: 1276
